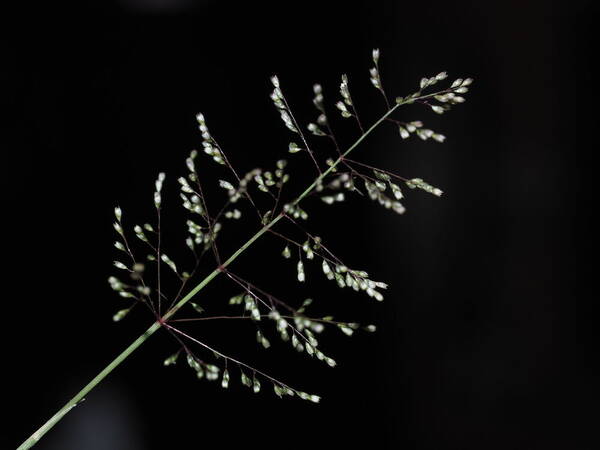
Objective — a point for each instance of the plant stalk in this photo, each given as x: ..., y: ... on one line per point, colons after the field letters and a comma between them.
x: 80, y: 396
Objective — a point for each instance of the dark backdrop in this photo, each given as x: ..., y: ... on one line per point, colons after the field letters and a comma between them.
x: 477, y: 345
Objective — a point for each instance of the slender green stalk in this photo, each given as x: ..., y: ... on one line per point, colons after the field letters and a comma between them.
x: 35, y: 437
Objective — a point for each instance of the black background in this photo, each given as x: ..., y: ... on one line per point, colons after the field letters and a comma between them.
x: 477, y: 346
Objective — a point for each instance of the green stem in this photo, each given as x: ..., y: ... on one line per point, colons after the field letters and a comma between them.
x: 35, y: 437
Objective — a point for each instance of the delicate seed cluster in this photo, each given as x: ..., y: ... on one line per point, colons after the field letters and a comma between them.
x: 419, y: 183
x: 295, y: 211
x: 208, y: 143
x: 377, y: 192
x: 202, y: 369
x: 322, y: 118
x: 346, y: 98
x: 330, y: 199
x: 374, y: 71
x: 355, y: 279
x: 279, y: 101
x: 137, y: 291
x: 446, y: 98
x: 406, y: 129
x: 266, y: 180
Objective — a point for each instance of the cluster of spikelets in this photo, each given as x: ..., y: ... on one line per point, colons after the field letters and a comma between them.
x: 263, y: 191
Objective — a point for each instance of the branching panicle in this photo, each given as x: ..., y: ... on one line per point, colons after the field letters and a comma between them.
x: 337, y: 181
x: 293, y: 325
